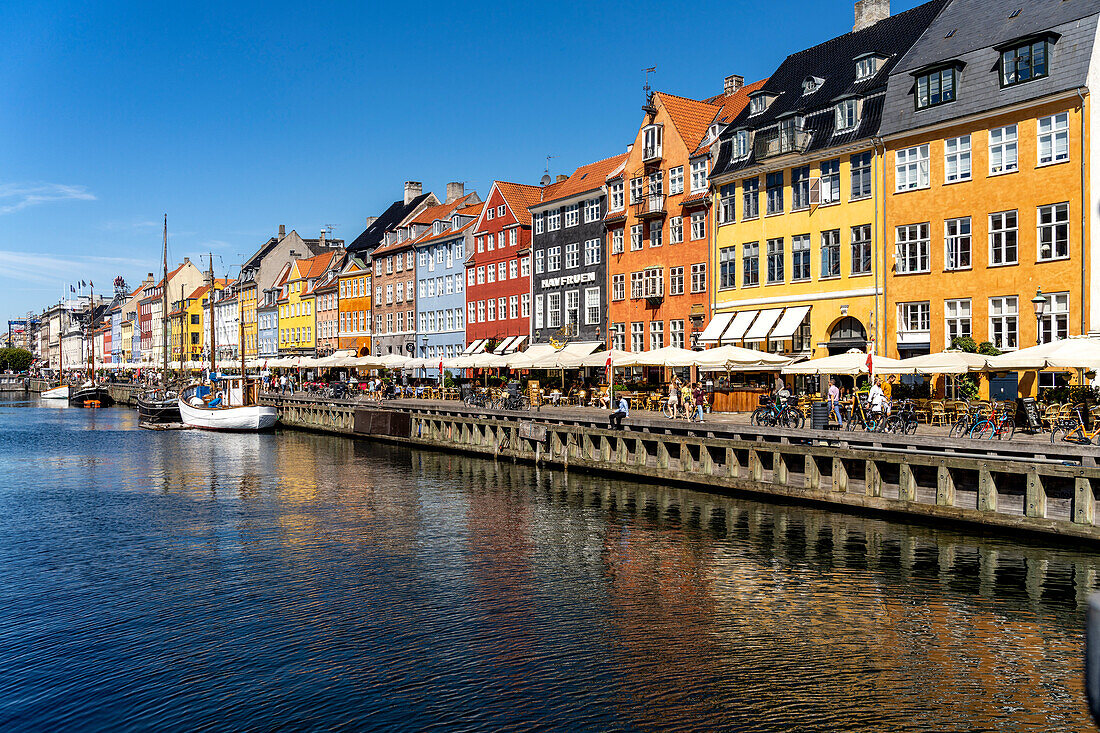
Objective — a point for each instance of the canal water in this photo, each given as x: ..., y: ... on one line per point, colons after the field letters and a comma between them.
x: 291, y: 581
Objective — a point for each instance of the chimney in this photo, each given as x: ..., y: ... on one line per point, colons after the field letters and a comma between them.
x: 560, y: 177
x: 282, y: 231
x: 412, y: 190
x: 733, y: 83
x: 371, y: 220
x: 321, y: 239
x: 869, y: 12
x: 186, y: 260
x: 455, y: 191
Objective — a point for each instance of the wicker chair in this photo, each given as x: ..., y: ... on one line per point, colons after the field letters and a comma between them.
x: 937, y: 414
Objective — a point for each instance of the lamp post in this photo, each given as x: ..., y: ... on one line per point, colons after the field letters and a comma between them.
x: 1039, y: 303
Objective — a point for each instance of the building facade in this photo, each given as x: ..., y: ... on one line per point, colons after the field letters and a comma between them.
x: 354, y: 302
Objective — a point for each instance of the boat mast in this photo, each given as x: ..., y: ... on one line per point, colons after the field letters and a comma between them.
x: 91, y: 333
x: 240, y: 340
x: 164, y: 310
x: 210, y: 300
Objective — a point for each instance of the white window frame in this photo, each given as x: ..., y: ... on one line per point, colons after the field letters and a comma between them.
x: 956, y: 159
x: 676, y: 180
x: 1004, y: 152
x: 1052, y: 228
x: 1004, y: 311
x: 912, y: 249
x: 911, y: 169
x: 1052, y: 133
x: 1004, y: 238
x: 958, y: 243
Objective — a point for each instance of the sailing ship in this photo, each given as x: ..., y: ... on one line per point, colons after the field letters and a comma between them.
x: 226, y: 403
x: 60, y: 392
x: 160, y: 406
x: 91, y: 394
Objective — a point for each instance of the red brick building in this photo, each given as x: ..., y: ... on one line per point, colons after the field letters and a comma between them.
x: 498, y: 268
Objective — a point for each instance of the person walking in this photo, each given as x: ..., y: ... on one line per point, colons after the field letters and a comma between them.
x: 700, y: 396
x: 877, y: 399
x: 615, y: 420
x: 834, y: 401
x: 674, y: 396
x: 282, y: 384
x: 888, y: 391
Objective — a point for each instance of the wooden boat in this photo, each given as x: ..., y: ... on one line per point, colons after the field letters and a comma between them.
x: 91, y: 395
x: 158, y: 407
x: 230, y: 404
x: 57, y: 393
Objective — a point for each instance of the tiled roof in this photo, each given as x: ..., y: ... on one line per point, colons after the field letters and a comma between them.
x: 586, y: 178
x: 693, y: 199
x: 391, y: 217
x: 315, y: 266
x: 730, y: 105
x: 690, y: 117
x: 520, y: 197
x: 442, y: 211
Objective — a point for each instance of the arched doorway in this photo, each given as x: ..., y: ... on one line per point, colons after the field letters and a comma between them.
x: 848, y: 333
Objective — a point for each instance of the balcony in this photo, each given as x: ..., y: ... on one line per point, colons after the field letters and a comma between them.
x: 650, y: 207
x: 781, y: 143
x: 651, y: 153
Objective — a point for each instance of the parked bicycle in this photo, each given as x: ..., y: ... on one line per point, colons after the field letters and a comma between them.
x: 862, y: 418
x: 1069, y: 431
x: 475, y: 398
x: 512, y: 402
x: 902, y: 419
x: 999, y: 424
x: 677, y: 410
x: 776, y: 413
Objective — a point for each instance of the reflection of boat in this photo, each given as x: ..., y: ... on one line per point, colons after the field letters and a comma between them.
x: 88, y: 393
x: 57, y: 393
x: 231, y: 406
x: 158, y: 407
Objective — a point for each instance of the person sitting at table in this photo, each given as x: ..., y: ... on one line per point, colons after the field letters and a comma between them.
x: 603, y: 399
x: 615, y: 419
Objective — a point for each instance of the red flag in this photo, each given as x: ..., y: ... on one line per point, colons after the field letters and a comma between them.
x: 870, y: 364
x: 607, y: 366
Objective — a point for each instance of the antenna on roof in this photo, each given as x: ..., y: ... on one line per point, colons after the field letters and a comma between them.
x: 329, y: 229
x: 546, y: 178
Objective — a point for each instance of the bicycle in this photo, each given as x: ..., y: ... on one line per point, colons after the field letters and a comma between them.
x: 516, y: 402
x: 1068, y: 431
x: 673, y: 410
x: 902, y: 419
x: 776, y: 414
x: 474, y: 398
x: 998, y: 425
x: 861, y: 417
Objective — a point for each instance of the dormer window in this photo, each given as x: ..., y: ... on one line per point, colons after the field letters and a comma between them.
x: 741, y: 144
x: 712, y: 132
x: 456, y: 221
x: 935, y: 87
x: 1025, y: 60
x: 758, y: 103
x: 652, y: 142
x: 847, y: 115
x: 811, y: 84
x: 866, y: 68
x: 438, y: 227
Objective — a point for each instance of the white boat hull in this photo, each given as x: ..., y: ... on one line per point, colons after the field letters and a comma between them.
x: 57, y: 393
x: 250, y: 417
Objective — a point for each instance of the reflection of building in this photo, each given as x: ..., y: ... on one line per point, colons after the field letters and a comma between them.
x: 797, y: 196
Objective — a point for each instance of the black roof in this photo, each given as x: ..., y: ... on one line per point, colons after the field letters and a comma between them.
x: 834, y: 63
x: 391, y: 217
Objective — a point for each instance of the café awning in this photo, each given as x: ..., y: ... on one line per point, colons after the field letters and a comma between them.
x: 790, y: 321
x: 737, y: 328
x: 715, y: 328
x: 851, y: 362
x: 763, y: 324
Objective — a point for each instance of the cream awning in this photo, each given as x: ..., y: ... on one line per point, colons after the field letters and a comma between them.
x: 789, y: 323
x: 715, y: 328
x: 737, y: 328
x: 763, y: 324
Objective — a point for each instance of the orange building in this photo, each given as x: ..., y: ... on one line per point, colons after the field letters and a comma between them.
x: 658, y: 233
x: 354, y: 319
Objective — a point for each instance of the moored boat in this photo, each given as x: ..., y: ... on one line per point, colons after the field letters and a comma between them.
x: 228, y: 406
x: 57, y: 393
x: 158, y: 408
x: 90, y: 395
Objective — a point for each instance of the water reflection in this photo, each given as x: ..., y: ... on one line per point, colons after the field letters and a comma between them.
x: 182, y: 579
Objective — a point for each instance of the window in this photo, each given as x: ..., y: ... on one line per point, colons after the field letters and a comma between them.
x: 616, y: 241
x: 635, y: 190
x: 615, y: 196
x: 401, y: 321
x: 1023, y: 63
x: 500, y: 240
x: 727, y: 205
x: 654, y: 285
x: 1054, y: 138
x: 800, y: 257
x: 866, y: 68
x: 572, y: 215
x: 490, y: 273
x: 750, y: 261
x: 637, y: 336
x: 956, y: 320
x: 491, y: 309
x: 592, y: 251
x: 1053, y: 236
x: 389, y: 294
x: 538, y: 227
x: 553, y: 310
x: 699, y: 175
x: 525, y: 267
x: 800, y: 188
x: 656, y: 183
x: 1054, y: 324
x: 956, y: 159
x: 389, y: 322
x: 591, y: 210
x: 525, y: 305
x: 539, y: 311
x: 656, y: 335
x: 911, y: 168
x: 389, y: 265
x: 553, y: 220
x: 914, y: 321
x: 636, y: 284
x: 490, y: 213
x: 676, y: 230
x: 572, y: 255
x: 553, y: 259
x: 847, y: 115
x: 675, y: 281
x: 956, y: 241
x: 911, y: 248
x: 676, y: 180
x: 481, y: 275
x: 750, y: 198
x: 618, y: 287
x: 513, y: 269
x: 500, y: 271
x: 741, y: 144
x: 699, y: 277
x: 656, y: 230
x: 727, y: 268
x: 935, y: 88
x: 830, y: 181
x: 1002, y: 238
x: 591, y: 306
x: 635, y: 237
x: 676, y: 334
x: 513, y: 235
x: 513, y: 306
x: 830, y: 253
x: 698, y: 225
x: 775, y: 192
x: 651, y: 142
x: 862, y: 175
x: 1002, y: 150
x: 1003, y: 313
x: 500, y: 210
x: 618, y: 336
x: 758, y: 104
x: 539, y: 257
x: 776, y: 268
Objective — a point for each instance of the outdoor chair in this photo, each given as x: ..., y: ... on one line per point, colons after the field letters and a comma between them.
x: 937, y: 414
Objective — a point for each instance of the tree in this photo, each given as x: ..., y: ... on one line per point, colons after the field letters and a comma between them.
x: 17, y: 360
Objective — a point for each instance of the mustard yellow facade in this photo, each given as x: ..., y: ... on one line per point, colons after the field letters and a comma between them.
x: 296, y: 317
x: 246, y: 307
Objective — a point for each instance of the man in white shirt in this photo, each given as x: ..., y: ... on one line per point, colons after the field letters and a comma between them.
x: 877, y: 398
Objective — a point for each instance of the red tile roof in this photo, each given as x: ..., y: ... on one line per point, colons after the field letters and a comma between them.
x: 585, y: 178
x: 690, y: 117
x: 520, y: 197
x: 730, y: 106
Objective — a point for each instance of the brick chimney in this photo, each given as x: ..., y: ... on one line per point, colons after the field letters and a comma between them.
x: 371, y: 220
x: 412, y: 190
x: 282, y: 231
x: 869, y: 12
x: 321, y: 239
x: 561, y: 177
x: 186, y: 260
x: 455, y: 191
x: 733, y: 83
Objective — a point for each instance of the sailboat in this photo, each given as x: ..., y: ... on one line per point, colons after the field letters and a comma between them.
x: 160, y: 406
x: 228, y: 403
x: 61, y: 392
x: 91, y: 394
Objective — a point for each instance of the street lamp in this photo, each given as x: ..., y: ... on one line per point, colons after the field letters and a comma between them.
x: 1039, y: 303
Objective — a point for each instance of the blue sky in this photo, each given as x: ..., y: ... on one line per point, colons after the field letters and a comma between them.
x: 233, y: 118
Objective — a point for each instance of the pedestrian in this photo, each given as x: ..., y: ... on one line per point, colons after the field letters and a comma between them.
x: 888, y: 391
x: 877, y: 398
x: 674, y: 396
x: 282, y: 384
x: 700, y: 396
x: 834, y: 400
x: 616, y: 418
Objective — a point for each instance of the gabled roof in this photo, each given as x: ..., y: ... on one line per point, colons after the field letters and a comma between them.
x: 391, y: 217
x: 315, y: 266
x: 730, y: 105
x: 588, y: 177
x: 690, y: 117
x: 426, y: 218
x: 519, y: 197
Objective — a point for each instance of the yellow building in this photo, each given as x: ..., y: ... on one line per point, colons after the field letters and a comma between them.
x: 987, y: 176
x: 246, y: 307
x: 797, y: 203
x: 297, y: 316
x: 127, y: 339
